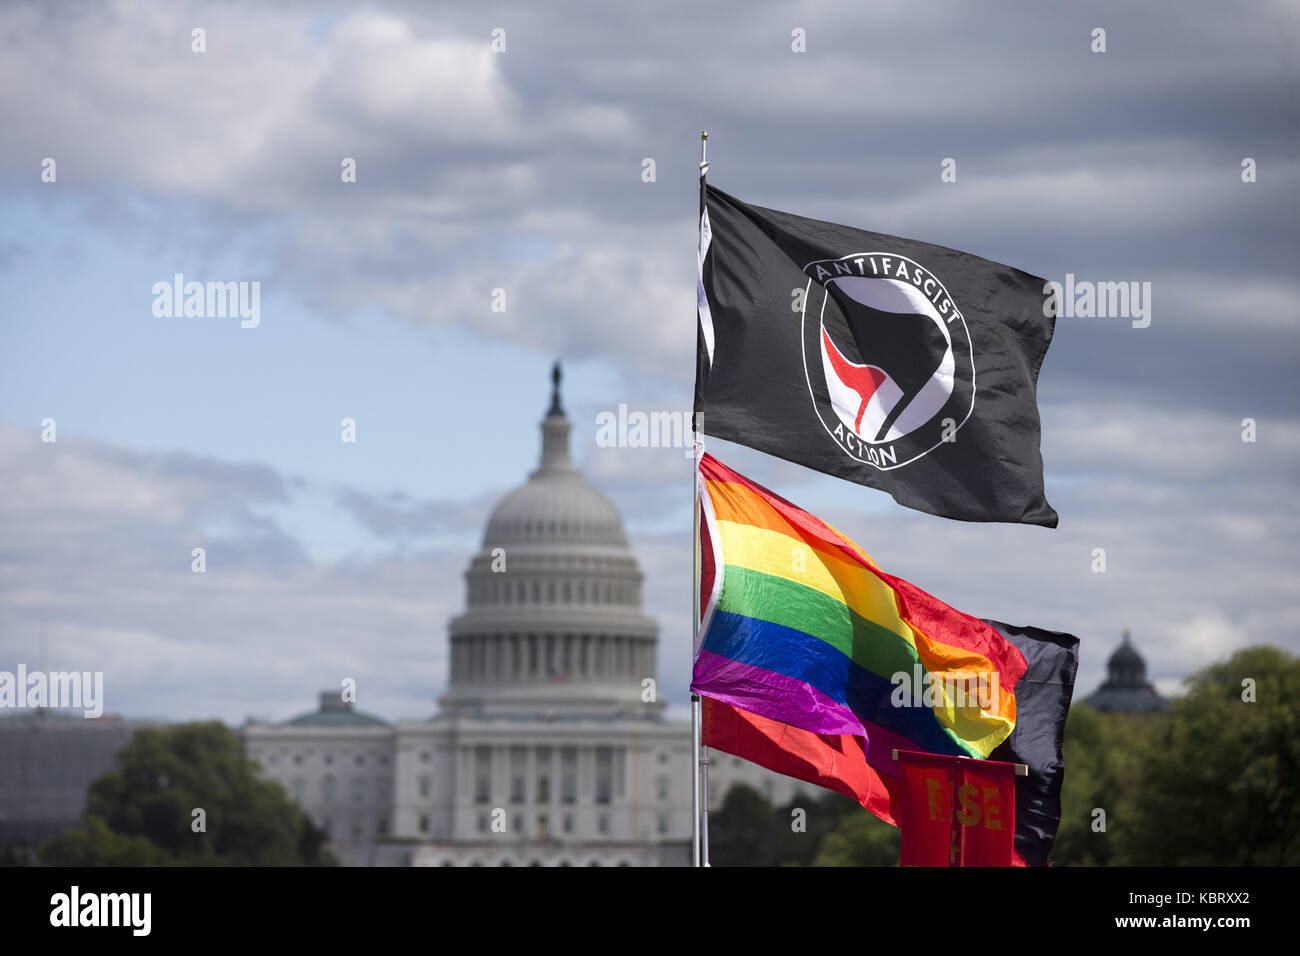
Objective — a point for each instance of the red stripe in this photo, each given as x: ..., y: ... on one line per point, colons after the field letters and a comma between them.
x: 836, y: 762
x: 949, y: 626
x: 707, y: 564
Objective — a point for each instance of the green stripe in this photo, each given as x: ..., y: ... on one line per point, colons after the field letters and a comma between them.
x: 782, y: 601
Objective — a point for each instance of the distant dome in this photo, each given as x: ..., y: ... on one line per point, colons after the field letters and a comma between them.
x: 555, y: 509
x: 1126, y: 688
x: 555, y: 506
x: 553, y: 621
x: 1126, y: 656
x: 335, y: 712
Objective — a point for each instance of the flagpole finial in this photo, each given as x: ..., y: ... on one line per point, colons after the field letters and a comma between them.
x: 704, y: 134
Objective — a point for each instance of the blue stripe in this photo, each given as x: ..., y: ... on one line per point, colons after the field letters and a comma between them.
x: 803, y: 657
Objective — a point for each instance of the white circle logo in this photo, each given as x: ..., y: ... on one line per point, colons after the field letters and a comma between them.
x: 887, y: 357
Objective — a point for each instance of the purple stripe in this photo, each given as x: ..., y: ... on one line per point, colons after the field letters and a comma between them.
x: 881, y: 744
x: 795, y: 703
x: 772, y: 695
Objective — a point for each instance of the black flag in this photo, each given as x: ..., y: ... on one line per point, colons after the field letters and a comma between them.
x: 1038, y: 739
x: 895, y: 364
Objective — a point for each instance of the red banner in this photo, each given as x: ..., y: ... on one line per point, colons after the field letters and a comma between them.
x: 954, y: 811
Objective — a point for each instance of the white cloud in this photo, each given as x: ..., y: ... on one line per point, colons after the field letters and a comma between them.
x: 461, y: 151
x: 96, y: 575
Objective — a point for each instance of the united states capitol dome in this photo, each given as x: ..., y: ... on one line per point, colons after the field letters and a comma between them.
x: 556, y: 505
x: 553, y: 621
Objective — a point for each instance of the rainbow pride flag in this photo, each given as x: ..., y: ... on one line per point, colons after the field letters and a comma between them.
x: 819, y: 664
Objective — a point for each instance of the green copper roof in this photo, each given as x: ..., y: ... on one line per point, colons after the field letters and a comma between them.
x: 335, y: 712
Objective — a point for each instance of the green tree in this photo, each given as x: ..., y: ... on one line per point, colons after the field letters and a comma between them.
x: 822, y: 813
x: 1220, y: 781
x: 1101, y: 794
x: 97, y: 845
x: 860, y: 839
x: 748, y: 831
x: 1211, y: 782
x: 141, y: 813
x: 743, y: 831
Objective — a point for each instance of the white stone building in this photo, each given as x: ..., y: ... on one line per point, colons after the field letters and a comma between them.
x: 545, y: 750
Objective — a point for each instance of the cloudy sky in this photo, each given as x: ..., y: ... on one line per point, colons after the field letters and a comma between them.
x: 521, y: 169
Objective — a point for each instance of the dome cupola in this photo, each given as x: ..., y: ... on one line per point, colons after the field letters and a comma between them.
x: 1126, y: 688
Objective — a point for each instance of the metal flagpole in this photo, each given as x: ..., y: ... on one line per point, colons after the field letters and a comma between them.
x: 695, y: 780
x: 700, y: 779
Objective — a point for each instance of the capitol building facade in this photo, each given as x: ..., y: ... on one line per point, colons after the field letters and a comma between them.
x: 550, y: 746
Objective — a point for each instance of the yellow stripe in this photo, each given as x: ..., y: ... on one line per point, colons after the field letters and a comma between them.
x: 790, y: 557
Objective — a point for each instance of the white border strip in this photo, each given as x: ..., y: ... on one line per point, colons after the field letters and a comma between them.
x: 701, y: 299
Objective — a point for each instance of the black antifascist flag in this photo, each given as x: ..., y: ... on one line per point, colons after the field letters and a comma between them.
x: 896, y: 364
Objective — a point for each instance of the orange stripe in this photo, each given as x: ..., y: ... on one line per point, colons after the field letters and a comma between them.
x: 733, y: 501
